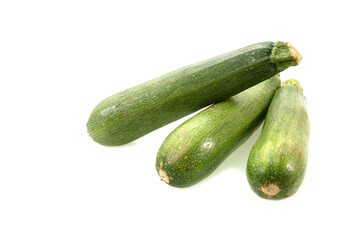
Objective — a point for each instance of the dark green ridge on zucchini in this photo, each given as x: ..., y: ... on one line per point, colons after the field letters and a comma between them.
x: 134, y: 112
x: 277, y: 162
x: 199, y: 145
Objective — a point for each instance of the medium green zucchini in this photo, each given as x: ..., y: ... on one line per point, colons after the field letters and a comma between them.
x: 277, y: 161
x: 132, y: 113
x: 198, y: 146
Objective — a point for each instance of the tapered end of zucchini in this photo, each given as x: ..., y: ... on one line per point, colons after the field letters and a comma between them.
x: 292, y: 82
x: 284, y: 55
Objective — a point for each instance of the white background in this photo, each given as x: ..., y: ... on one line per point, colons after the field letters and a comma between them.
x: 58, y: 59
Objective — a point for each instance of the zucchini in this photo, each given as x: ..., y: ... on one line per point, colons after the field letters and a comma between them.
x: 198, y: 146
x: 134, y: 112
x: 277, y: 161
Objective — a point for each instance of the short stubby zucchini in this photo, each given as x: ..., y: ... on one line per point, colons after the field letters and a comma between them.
x: 199, y: 145
x: 134, y: 112
x: 277, y: 161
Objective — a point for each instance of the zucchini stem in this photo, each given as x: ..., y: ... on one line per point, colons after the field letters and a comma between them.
x: 292, y: 82
x: 284, y: 55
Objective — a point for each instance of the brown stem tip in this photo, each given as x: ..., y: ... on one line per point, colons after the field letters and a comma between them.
x: 295, y: 54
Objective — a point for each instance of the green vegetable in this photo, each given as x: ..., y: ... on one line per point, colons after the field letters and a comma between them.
x: 277, y: 162
x: 199, y: 145
x: 132, y: 113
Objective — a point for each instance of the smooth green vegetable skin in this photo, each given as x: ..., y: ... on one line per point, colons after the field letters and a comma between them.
x: 132, y: 113
x: 277, y: 162
x: 198, y: 146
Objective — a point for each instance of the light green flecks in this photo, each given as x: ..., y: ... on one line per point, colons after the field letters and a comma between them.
x: 292, y: 82
x: 284, y: 55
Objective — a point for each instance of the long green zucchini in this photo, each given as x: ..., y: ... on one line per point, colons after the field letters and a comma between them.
x: 277, y: 162
x: 198, y: 146
x: 134, y: 112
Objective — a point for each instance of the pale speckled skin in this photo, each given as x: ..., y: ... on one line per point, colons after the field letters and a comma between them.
x: 134, y: 112
x: 280, y: 154
x: 198, y: 146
